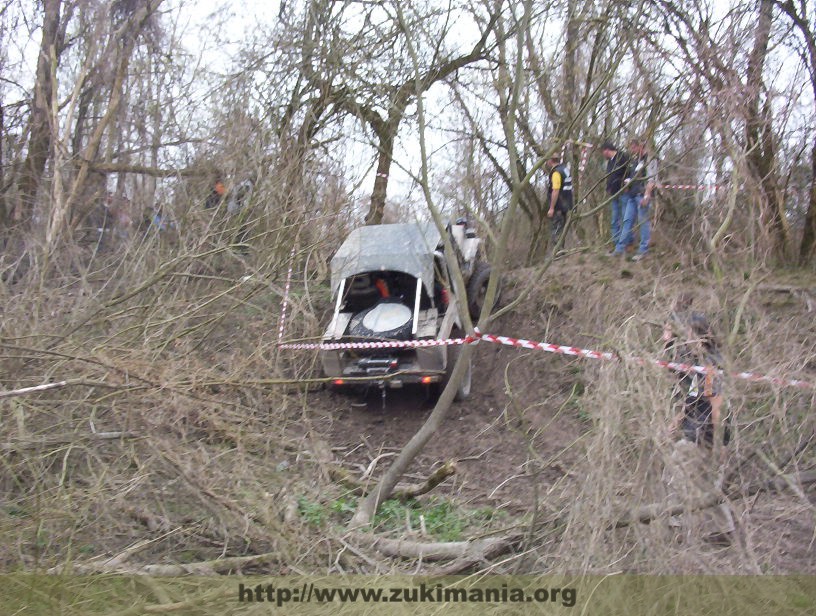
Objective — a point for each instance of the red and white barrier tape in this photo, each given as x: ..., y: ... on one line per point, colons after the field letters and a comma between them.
x: 677, y: 367
x: 545, y: 346
x: 692, y: 186
x: 380, y: 344
x: 584, y: 157
x: 542, y: 346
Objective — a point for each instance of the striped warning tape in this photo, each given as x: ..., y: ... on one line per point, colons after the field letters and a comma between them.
x: 544, y: 346
x: 692, y: 186
x: 675, y: 366
x: 522, y: 343
x: 378, y: 344
x: 584, y: 157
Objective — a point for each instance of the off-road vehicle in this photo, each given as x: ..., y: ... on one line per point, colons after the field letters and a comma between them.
x: 391, y: 283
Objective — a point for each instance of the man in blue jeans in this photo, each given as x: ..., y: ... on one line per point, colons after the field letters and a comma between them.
x: 617, y: 169
x: 640, y: 185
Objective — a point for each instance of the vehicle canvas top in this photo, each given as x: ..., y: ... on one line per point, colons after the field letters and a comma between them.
x: 403, y: 247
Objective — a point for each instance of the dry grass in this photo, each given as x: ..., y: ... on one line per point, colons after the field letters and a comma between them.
x: 617, y: 464
x: 170, y: 342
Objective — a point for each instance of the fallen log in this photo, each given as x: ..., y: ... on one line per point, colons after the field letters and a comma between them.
x: 57, y: 441
x: 476, y: 550
x: 206, y: 567
x: 401, y: 492
x: 647, y: 513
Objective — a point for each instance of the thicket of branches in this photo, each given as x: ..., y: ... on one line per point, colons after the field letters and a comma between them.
x: 154, y: 317
x: 118, y: 105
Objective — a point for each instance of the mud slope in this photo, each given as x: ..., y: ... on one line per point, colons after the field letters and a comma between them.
x: 215, y: 453
x: 521, y: 440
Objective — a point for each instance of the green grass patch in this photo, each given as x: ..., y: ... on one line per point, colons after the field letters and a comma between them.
x: 440, y: 518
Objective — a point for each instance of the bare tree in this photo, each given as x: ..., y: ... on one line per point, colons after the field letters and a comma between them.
x: 759, y: 130
x: 129, y: 22
x: 804, y: 24
x: 381, y: 101
x: 41, y: 131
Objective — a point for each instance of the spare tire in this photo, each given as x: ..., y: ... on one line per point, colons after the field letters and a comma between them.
x: 390, y: 318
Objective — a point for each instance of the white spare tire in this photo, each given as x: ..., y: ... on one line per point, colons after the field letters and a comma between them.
x: 388, y: 319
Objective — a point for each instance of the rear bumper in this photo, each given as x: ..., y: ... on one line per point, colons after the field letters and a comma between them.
x: 397, y: 380
x: 392, y: 369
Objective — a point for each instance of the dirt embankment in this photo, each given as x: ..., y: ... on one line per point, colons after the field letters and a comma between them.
x: 216, y: 460
x: 583, y: 441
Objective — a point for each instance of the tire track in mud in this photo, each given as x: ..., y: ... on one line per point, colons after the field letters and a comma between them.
x: 490, y: 441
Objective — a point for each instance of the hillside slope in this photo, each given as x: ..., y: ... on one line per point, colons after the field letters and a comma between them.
x: 221, y: 457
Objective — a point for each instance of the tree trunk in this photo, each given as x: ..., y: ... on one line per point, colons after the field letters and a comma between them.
x: 386, y: 136
x: 569, y: 91
x: 40, y: 132
x: 761, y: 149
x: 3, y: 211
x: 807, y: 248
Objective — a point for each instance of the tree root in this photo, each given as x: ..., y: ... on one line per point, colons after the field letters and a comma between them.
x: 402, y: 493
x: 464, y: 553
x: 647, y: 513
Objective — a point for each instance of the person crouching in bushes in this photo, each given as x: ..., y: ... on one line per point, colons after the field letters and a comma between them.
x: 688, y: 338
x: 691, y: 471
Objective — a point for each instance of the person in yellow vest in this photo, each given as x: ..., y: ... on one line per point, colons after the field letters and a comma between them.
x: 559, y: 195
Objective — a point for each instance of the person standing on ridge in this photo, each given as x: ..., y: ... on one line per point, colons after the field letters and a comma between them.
x: 559, y: 195
x: 640, y: 185
x: 216, y: 196
x: 617, y: 169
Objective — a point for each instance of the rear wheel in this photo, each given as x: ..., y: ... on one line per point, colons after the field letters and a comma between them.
x: 477, y: 289
x: 463, y: 390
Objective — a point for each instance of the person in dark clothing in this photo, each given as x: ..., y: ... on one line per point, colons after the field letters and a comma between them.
x: 701, y: 394
x: 216, y: 196
x: 559, y: 195
x: 691, y: 469
x: 239, y: 208
x: 640, y: 184
x: 617, y: 169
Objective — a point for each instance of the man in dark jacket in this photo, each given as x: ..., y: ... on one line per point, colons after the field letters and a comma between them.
x: 617, y: 167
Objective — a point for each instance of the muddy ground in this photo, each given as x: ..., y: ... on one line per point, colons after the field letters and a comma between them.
x: 220, y: 457
x: 512, y: 449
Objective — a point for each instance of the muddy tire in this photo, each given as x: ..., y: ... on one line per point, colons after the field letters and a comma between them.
x: 477, y: 288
